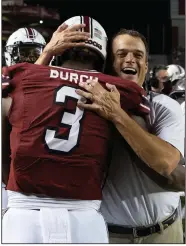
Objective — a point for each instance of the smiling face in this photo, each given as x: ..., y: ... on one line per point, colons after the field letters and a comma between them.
x: 130, y: 58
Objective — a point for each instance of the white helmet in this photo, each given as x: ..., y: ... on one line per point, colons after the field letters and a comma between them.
x: 24, y: 45
x: 98, y: 37
x: 178, y: 90
x: 175, y: 72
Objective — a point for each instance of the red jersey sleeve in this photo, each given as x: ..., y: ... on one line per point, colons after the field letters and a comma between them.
x: 8, y: 77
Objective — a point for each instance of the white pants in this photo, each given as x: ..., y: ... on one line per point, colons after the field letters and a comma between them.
x: 4, y: 197
x: 52, y: 225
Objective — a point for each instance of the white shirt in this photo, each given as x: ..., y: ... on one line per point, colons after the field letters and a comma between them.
x: 183, y: 108
x: 4, y: 196
x: 130, y: 197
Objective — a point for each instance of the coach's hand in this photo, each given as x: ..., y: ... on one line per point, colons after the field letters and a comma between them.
x: 66, y: 37
x: 104, y: 102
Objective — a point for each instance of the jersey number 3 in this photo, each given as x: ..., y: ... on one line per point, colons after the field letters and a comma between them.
x: 68, y: 120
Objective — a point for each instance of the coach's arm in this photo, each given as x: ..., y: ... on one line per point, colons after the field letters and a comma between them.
x: 155, y: 152
x: 62, y: 39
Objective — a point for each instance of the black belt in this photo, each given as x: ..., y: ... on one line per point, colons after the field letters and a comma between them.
x: 143, y: 231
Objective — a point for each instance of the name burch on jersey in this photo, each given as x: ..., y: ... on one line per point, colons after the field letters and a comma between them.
x: 70, y: 76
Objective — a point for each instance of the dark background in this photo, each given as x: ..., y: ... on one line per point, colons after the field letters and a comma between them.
x: 150, y: 17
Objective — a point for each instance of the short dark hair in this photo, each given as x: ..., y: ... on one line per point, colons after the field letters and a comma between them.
x: 80, y: 55
x: 132, y: 33
x: 158, y: 68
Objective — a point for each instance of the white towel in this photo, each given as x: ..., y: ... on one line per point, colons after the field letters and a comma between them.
x: 55, y: 225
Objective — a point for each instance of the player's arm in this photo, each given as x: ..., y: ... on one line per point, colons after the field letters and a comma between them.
x: 62, y: 39
x: 6, y: 103
x: 157, y: 153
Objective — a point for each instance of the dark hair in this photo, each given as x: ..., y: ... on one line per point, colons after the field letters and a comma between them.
x: 158, y: 68
x: 153, y: 80
x: 135, y: 34
x: 80, y: 55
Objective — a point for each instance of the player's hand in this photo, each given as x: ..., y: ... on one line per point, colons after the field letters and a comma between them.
x: 104, y: 102
x: 66, y: 37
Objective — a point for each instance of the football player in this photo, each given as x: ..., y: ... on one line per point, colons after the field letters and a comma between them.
x: 59, y: 152
x: 169, y: 80
x: 23, y: 45
x: 163, y: 78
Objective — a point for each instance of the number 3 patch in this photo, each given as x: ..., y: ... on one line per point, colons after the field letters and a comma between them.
x: 70, y: 120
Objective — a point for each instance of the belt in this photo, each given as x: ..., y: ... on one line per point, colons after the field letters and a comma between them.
x: 143, y: 231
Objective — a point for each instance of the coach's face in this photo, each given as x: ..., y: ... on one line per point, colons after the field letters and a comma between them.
x: 130, y: 58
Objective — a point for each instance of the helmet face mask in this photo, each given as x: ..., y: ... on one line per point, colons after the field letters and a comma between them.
x: 24, y: 45
x: 24, y: 53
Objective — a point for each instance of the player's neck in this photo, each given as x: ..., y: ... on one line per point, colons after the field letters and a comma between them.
x: 78, y: 65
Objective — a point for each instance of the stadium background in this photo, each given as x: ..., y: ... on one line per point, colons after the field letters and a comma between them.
x: 162, y: 22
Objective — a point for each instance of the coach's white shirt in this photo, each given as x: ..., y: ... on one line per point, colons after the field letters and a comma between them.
x: 130, y: 197
x: 4, y: 196
x: 183, y: 108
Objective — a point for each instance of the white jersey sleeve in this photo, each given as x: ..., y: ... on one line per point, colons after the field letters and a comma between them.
x: 168, y: 121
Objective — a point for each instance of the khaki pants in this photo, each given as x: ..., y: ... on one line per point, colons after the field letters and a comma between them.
x: 172, y: 234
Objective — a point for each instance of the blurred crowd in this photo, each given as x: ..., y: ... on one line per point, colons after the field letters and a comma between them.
x: 178, y: 56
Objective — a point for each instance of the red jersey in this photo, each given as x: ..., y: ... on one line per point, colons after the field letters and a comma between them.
x: 57, y: 149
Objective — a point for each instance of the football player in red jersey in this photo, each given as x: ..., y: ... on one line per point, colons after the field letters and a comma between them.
x: 25, y: 44
x: 58, y: 151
